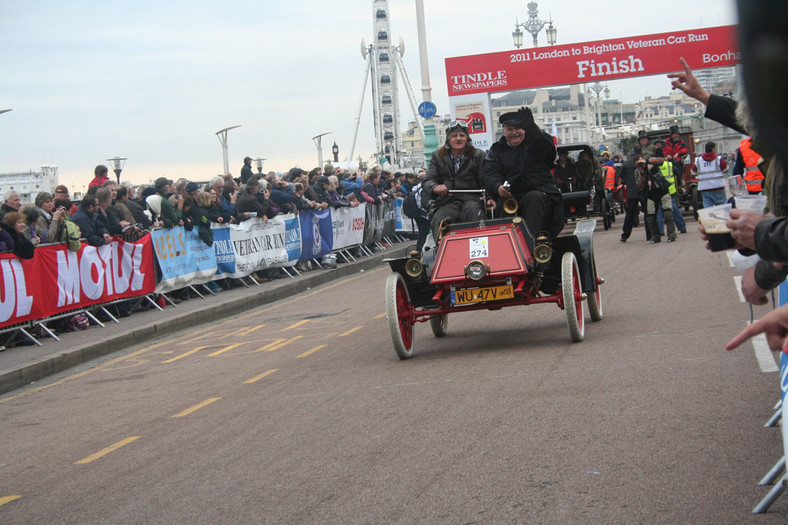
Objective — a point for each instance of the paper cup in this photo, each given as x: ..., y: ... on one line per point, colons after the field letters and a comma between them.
x: 753, y: 203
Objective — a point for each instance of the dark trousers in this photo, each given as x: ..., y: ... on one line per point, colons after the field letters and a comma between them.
x: 631, y: 217
x: 423, y: 224
x: 455, y: 210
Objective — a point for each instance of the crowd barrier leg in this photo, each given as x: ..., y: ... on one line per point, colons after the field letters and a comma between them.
x: 342, y: 253
x: 776, y: 416
x: 193, y: 289
x: 95, y: 320
x: 106, y: 312
x: 286, y: 272
x: 366, y: 251
x: 153, y: 303
x: 49, y: 332
x: 317, y: 263
x: 771, y: 497
x: 208, y: 289
x: 777, y: 470
x: 20, y: 329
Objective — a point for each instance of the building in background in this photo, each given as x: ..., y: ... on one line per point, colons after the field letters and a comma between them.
x: 29, y: 185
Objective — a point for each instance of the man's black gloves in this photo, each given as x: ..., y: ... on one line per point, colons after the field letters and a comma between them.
x: 527, y: 122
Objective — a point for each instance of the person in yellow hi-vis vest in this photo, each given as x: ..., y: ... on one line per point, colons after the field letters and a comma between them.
x: 668, y: 171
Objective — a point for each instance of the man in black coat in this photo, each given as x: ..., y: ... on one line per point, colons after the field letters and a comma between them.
x: 85, y: 218
x: 519, y: 165
x: 246, y: 171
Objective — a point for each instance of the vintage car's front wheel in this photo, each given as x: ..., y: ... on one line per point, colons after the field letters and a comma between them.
x: 439, y: 324
x: 398, y: 314
x: 572, y: 294
x: 595, y: 302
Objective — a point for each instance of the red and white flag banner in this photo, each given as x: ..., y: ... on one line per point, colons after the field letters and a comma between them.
x: 57, y: 280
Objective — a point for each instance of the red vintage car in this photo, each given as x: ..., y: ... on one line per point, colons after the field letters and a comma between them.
x: 489, y: 265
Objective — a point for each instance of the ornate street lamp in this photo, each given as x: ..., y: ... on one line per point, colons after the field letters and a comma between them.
x: 117, y: 165
x: 533, y: 25
x: 259, y: 161
x: 551, y: 33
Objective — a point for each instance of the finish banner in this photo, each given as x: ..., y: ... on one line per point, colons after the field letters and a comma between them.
x: 592, y: 61
x: 57, y: 280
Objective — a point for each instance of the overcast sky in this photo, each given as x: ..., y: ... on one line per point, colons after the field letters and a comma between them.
x: 155, y: 80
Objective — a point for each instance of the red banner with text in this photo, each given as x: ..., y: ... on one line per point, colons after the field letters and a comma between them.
x: 57, y: 280
x: 592, y: 61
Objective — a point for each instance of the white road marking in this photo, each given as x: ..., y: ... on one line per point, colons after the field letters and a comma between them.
x: 737, y: 284
x: 763, y: 354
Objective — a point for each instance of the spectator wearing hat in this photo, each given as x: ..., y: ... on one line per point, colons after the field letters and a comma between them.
x: 169, y: 215
x: 455, y: 166
x: 246, y: 170
x: 605, y: 160
x: 321, y: 188
x: 61, y: 192
x: 523, y: 158
x: 100, y: 176
x: 676, y: 150
x: 248, y: 206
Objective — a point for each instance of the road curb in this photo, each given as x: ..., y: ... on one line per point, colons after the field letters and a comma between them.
x: 121, y: 337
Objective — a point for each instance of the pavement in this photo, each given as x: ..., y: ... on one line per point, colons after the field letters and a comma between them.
x: 22, y: 365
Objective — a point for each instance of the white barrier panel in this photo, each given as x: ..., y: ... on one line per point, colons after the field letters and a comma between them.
x: 348, y: 225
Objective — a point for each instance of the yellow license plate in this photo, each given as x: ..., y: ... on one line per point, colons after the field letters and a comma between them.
x: 480, y: 295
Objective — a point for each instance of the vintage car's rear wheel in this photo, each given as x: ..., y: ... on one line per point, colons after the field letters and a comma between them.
x: 439, y: 324
x: 595, y: 301
x: 398, y: 314
x: 572, y: 294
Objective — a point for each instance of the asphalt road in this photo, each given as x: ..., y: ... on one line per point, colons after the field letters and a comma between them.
x: 301, y: 412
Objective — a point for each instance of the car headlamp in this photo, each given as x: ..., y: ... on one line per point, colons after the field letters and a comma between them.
x: 476, y: 270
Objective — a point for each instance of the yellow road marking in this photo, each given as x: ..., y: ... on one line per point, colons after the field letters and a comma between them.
x: 312, y: 351
x: 223, y: 350
x: 187, y: 354
x: 257, y: 378
x: 111, y: 448
x: 247, y: 332
x: 299, y: 323
x: 269, y: 345
x: 197, y: 406
x: 356, y: 329
x: 286, y: 342
x: 8, y: 499
x: 380, y: 316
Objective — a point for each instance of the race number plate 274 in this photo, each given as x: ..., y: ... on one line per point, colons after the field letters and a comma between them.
x: 480, y: 295
x: 479, y: 247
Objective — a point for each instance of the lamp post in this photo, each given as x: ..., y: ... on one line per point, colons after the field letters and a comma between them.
x: 318, y: 142
x: 335, y: 151
x: 117, y: 165
x: 222, y: 134
x: 430, y: 138
x: 533, y: 25
x: 597, y: 87
x: 259, y: 161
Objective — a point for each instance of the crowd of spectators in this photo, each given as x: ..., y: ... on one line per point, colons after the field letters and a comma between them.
x: 128, y: 211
